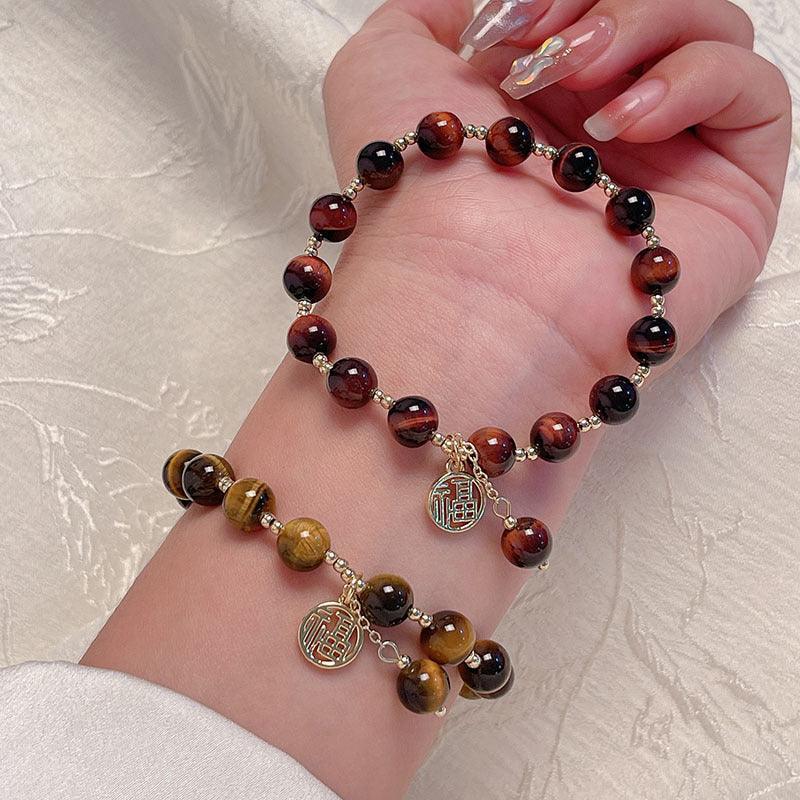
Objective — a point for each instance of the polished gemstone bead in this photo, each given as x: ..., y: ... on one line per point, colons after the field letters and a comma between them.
x: 351, y: 382
x: 413, y: 421
x: 493, y: 672
x: 652, y: 340
x: 379, y: 165
x: 440, y: 135
x: 246, y: 501
x: 386, y: 600
x: 630, y: 212
x: 527, y: 544
x: 509, y: 141
x: 423, y: 686
x: 655, y: 271
x: 576, y: 167
x: 307, y: 278
x: 449, y: 638
x: 495, y: 449
x: 333, y: 217
x: 309, y: 335
x: 555, y: 436
x: 503, y: 690
x: 172, y: 471
x: 614, y: 399
x: 302, y: 543
x: 201, y: 477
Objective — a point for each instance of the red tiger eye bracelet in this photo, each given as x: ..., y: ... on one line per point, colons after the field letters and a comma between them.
x: 458, y: 498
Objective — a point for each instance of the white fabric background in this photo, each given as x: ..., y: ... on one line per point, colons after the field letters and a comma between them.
x: 156, y: 162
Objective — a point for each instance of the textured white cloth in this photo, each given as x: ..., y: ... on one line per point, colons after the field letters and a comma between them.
x: 156, y: 161
x: 76, y: 732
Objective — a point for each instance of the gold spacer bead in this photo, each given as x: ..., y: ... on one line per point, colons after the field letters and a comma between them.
x: 539, y: 148
x: 602, y: 180
x: 531, y: 454
x: 438, y: 438
x: 224, y: 483
x: 469, y: 131
x: 340, y: 565
x: 303, y: 308
x: 648, y: 232
x: 551, y: 153
x: 519, y: 454
x: 411, y: 137
x: 544, y: 565
x: 400, y: 144
x: 595, y: 421
x: 311, y: 251
x: 611, y: 189
x: 403, y: 662
x: 643, y: 370
x: 377, y: 396
x: 387, y: 401
x: 330, y: 557
x: 426, y: 620
x: 441, y: 711
x: 584, y: 425
x: 361, y: 584
x: 657, y: 310
x: 349, y: 192
x: 481, y: 132
x: 637, y: 380
x: 653, y: 242
x: 472, y: 661
x: 414, y: 614
x: 509, y: 522
x: 348, y: 575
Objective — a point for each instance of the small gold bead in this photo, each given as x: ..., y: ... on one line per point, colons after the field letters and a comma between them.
x: 400, y: 144
x: 377, y: 396
x: 643, y: 370
x: 611, y: 189
x: 602, y: 180
x: 657, y: 299
x: 551, y: 153
x: 357, y: 183
x: 387, y: 401
x: 637, y: 380
x: 509, y: 522
x: 348, y: 575
x: 531, y: 454
x: 361, y: 584
x: 544, y: 565
x: 648, y: 232
x: 414, y: 614
x: 469, y: 131
x: 584, y: 425
x: 403, y: 662
x: 437, y: 440
x: 657, y: 310
x: 473, y: 660
x: 595, y: 421
x: 303, y: 308
x: 519, y: 454
x: 411, y: 137
x: 426, y: 620
x: 224, y: 483
x: 311, y: 251
x: 340, y: 565
x: 330, y: 557
x: 481, y: 132
x: 653, y: 242
x: 539, y: 148
x: 441, y: 711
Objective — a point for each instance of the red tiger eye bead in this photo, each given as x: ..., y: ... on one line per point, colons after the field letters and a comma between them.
x: 614, y: 399
x: 440, y: 135
x: 555, y: 436
x: 652, y: 340
x: 527, y: 544
x: 493, y: 671
x: 655, y: 271
x: 509, y: 141
x: 576, y: 167
x: 495, y: 449
x: 630, y: 212
x: 379, y: 165
x: 351, y: 382
x: 333, y: 217
x: 413, y: 421
x: 309, y: 335
x: 307, y: 278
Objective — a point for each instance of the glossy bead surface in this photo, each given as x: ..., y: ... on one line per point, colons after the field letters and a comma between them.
x: 655, y: 271
x: 309, y: 335
x: 201, y: 478
x: 440, y: 135
x: 246, y: 501
x: 502, y: 691
x: 172, y: 471
x: 302, y: 544
x: 413, y: 421
x: 307, y: 278
x: 555, y: 436
x: 386, y: 600
x: 493, y: 672
x: 423, y: 686
x: 576, y: 167
x: 509, y: 141
x: 527, y: 544
x: 630, y: 212
x: 333, y: 217
x: 379, y: 165
x: 351, y: 382
x: 614, y: 399
x: 495, y: 450
x: 652, y: 340
x: 449, y: 638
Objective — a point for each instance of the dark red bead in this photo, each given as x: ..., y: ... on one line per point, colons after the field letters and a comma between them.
x: 555, y: 436
x: 309, y: 335
x: 379, y: 165
x: 307, y: 278
x: 652, y: 340
x: 527, y: 544
x: 440, y: 135
x: 576, y: 167
x: 495, y: 450
x: 630, y: 212
x: 351, y: 382
x: 413, y: 421
x: 333, y: 217
x: 655, y: 271
x: 509, y: 141
x: 614, y: 399
x: 493, y: 671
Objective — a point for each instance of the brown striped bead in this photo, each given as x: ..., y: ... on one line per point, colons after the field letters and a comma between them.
x: 379, y: 165
x: 172, y: 471
x: 413, y: 421
x: 509, y: 141
x: 630, y: 212
x: 576, y: 167
x: 614, y: 399
x: 449, y: 638
x: 493, y: 671
x: 307, y: 278
x: 652, y: 340
x: 555, y: 436
x: 386, y: 600
x: 440, y: 135
x: 309, y: 335
x: 333, y: 217
x: 246, y: 501
x: 201, y: 477
x: 423, y: 686
x: 495, y: 450
x: 351, y: 382
x: 655, y: 270
x: 527, y: 544
x: 302, y: 544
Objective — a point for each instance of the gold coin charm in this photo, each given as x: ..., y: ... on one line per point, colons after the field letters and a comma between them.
x: 456, y: 502
x: 330, y: 636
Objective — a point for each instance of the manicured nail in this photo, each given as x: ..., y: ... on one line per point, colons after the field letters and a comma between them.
x: 623, y: 111
x: 498, y: 19
x: 559, y: 57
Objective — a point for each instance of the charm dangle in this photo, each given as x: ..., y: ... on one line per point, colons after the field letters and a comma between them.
x: 330, y: 635
x: 456, y: 501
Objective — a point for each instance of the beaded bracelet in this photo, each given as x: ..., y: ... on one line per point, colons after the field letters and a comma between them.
x: 332, y: 633
x: 457, y: 500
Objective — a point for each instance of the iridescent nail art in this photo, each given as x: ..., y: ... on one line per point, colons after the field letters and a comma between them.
x: 499, y: 19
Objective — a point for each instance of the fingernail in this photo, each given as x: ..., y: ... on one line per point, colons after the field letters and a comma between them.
x: 498, y: 19
x: 559, y: 57
x: 623, y: 111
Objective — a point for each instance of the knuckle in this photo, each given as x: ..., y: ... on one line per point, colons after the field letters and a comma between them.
x: 746, y: 31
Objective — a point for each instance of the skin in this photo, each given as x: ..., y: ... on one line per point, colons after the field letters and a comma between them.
x: 489, y: 291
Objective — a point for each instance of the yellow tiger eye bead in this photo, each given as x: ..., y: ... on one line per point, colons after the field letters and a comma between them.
x: 302, y: 544
x: 449, y: 638
x: 172, y: 471
x: 423, y: 686
x: 246, y: 501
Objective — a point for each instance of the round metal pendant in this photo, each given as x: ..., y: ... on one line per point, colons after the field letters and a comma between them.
x: 330, y: 636
x: 456, y: 502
